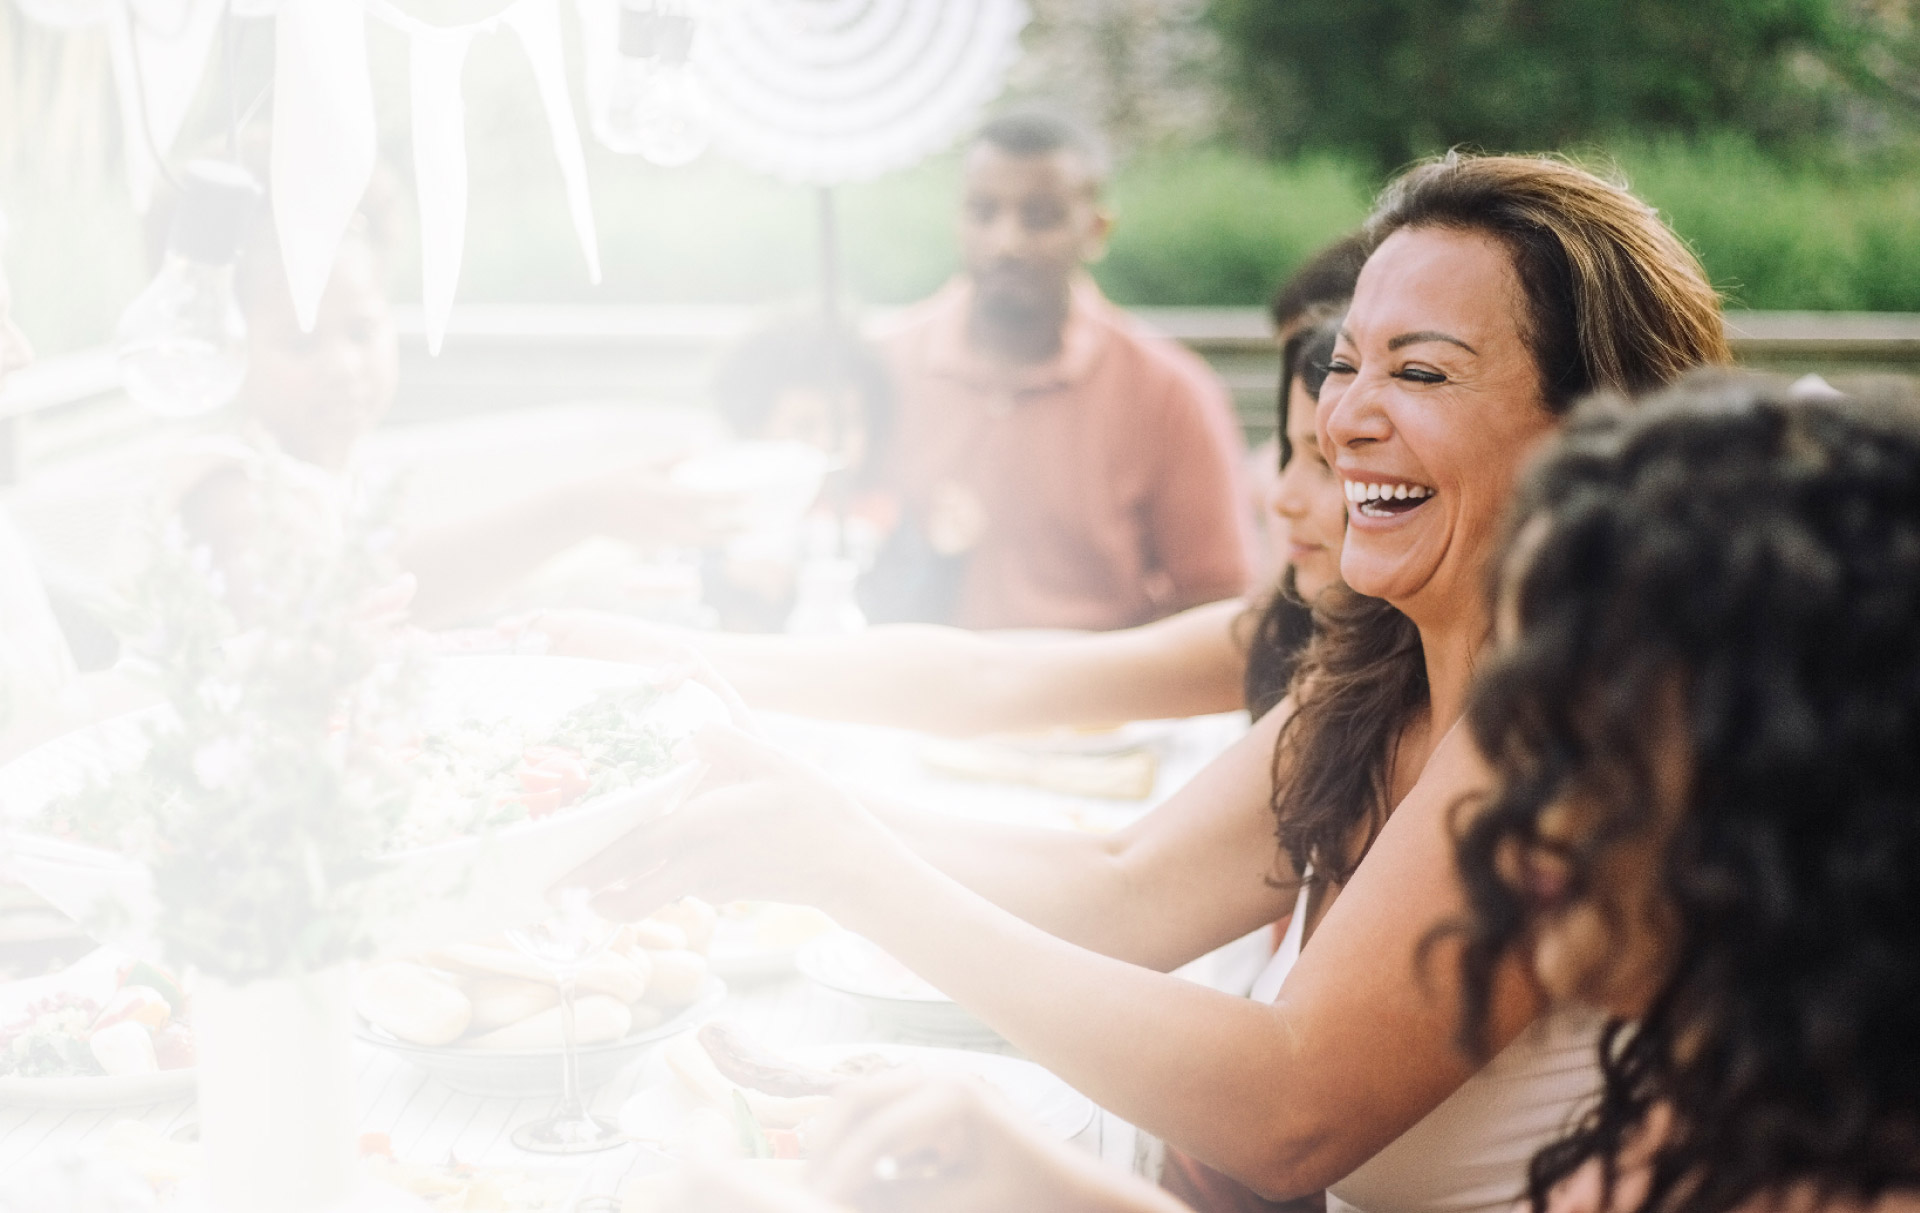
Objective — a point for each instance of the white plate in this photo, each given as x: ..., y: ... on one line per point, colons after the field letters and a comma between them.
x: 653, y: 1116
x: 106, y: 1091
x: 490, y: 1072
x: 893, y: 995
x: 758, y: 941
x: 430, y: 895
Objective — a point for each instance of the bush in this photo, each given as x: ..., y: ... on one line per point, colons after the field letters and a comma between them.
x: 1205, y: 227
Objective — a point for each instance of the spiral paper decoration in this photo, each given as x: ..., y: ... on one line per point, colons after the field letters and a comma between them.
x: 828, y: 91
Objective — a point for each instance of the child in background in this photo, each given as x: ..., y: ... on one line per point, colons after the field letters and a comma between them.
x: 814, y: 381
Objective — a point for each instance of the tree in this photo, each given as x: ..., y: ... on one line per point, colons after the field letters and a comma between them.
x: 1393, y: 79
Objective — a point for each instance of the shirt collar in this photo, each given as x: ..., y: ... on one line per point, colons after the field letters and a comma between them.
x: 1081, y: 342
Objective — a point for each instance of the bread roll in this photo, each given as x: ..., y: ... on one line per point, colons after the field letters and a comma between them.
x: 658, y: 935
x: 679, y: 977
x: 412, y: 1003
x: 696, y: 920
x: 646, y: 1017
x: 485, y: 960
x: 623, y: 977
x: 597, y: 1019
x: 499, y: 1001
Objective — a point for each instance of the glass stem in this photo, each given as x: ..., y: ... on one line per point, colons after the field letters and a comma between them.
x: 571, y: 1106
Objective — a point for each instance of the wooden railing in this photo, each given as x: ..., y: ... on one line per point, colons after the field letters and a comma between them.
x: 509, y: 356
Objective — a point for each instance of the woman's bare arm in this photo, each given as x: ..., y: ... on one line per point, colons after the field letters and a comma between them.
x: 951, y: 681
x: 1197, y: 872
x: 1286, y: 1098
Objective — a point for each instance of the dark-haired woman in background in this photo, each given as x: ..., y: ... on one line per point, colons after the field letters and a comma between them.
x: 1704, y: 724
x: 1499, y: 289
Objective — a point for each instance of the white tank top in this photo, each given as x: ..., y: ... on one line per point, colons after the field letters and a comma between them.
x: 1469, y: 1155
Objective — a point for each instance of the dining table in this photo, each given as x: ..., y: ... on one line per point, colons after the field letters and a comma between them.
x: 423, y: 1121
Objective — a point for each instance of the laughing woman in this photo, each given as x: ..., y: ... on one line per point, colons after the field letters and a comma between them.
x: 1498, y: 290
x: 1705, y: 724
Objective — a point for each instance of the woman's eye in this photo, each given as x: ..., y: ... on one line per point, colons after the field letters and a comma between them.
x: 1415, y: 374
x: 1339, y: 366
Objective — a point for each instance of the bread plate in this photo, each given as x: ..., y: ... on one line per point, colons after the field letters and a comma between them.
x: 514, y: 1074
x: 895, y: 998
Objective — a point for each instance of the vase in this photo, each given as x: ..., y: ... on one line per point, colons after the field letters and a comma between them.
x: 277, y: 1101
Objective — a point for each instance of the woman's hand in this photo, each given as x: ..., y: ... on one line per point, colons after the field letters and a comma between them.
x: 761, y: 826
x: 907, y: 1142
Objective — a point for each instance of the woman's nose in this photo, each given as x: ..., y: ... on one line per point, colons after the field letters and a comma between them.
x: 1288, y: 500
x: 1353, y: 417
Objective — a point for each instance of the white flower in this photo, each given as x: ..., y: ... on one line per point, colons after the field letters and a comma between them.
x: 219, y: 763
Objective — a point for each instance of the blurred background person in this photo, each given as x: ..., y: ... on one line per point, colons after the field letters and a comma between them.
x: 1212, y: 658
x: 311, y: 398
x: 816, y: 382
x: 1088, y: 470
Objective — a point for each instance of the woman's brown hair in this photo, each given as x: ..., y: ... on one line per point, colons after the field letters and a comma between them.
x: 1615, y: 301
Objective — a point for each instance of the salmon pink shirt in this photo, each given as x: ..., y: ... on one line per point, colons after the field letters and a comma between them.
x: 1108, y: 481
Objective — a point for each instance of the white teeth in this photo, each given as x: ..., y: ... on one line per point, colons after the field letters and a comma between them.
x: 1359, y: 493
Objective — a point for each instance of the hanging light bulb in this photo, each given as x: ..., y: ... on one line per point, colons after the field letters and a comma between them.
x: 656, y: 107
x: 182, y: 344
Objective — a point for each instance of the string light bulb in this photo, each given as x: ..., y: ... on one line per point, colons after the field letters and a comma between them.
x: 656, y: 107
x: 182, y: 344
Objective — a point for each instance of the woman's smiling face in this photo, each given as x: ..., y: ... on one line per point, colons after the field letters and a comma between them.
x: 1309, y: 498
x: 1431, y: 404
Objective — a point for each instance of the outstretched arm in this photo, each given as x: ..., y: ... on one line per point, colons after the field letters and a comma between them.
x: 1197, y: 872
x: 951, y: 681
x: 1286, y: 1098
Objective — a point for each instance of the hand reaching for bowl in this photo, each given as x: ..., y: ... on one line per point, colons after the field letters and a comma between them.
x: 761, y: 826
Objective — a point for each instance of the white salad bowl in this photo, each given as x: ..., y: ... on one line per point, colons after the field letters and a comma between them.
x: 428, y: 896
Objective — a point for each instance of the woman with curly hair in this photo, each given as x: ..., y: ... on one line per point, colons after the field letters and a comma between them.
x: 1497, y: 291
x: 1704, y: 723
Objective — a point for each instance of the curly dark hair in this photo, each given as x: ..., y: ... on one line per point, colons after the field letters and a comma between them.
x: 1758, y: 554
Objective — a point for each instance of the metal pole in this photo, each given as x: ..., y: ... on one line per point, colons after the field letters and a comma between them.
x: 829, y: 255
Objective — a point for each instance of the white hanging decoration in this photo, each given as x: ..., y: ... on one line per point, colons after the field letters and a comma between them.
x: 827, y: 91
x: 66, y: 14
x: 172, y: 41
x: 324, y: 139
x: 440, y: 169
x: 438, y: 53
x: 537, y: 24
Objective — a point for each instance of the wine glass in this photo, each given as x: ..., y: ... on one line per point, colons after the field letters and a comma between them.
x: 563, y: 945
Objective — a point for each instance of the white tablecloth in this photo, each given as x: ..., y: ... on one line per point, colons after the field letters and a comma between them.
x: 429, y: 1122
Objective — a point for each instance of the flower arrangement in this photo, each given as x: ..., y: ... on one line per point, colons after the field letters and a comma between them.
x: 275, y: 770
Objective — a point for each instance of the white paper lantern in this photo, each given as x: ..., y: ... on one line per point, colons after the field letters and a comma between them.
x: 827, y: 91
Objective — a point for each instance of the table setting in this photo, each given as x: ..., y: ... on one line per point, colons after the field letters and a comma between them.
x: 341, y: 966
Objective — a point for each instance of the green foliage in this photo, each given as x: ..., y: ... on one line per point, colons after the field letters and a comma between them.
x: 274, y: 775
x: 1211, y: 228
x: 1389, y: 80
x: 1788, y: 236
